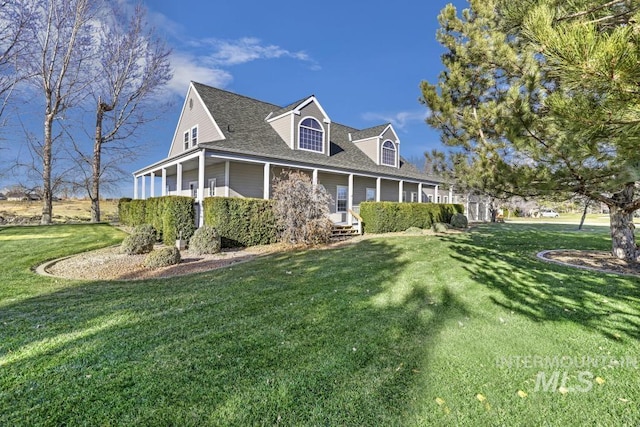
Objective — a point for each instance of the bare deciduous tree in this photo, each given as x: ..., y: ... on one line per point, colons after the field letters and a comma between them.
x: 302, y: 209
x: 58, y: 58
x: 133, y: 67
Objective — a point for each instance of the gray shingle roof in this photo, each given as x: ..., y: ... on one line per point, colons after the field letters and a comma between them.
x: 369, y: 132
x: 289, y: 107
x: 242, y: 120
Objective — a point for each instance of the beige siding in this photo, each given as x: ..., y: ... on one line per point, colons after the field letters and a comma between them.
x: 276, y: 172
x: 388, y: 134
x: 192, y: 115
x: 410, y: 188
x: 187, y: 177
x: 246, y: 180
x: 216, y: 171
x: 311, y: 110
x: 360, y: 185
x: 389, y: 191
x: 330, y: 182
x: 370, y: 148
x: 283, y: 127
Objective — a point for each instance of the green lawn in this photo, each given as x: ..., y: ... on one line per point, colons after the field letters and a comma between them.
x: 405, y: 330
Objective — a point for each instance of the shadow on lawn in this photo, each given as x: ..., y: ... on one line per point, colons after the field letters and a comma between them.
x: 323, y: 337
x: 506, y: 263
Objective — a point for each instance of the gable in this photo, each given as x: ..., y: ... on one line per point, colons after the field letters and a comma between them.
x: 194, y: 113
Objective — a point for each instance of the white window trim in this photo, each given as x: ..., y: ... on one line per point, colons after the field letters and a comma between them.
x: 193, y: 188
x: 212, y: 188
x: 374, y: 194
x: 414, y: 197
x: 186, y: 139
x: 324, y: 132
x: 395, y: 150
x: 404, y: 196
x: 346, y: 190
x: 191, y: 139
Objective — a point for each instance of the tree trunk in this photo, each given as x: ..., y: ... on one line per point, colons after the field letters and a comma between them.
x: 47, y: 196
x: 623, y: 240
x: 94, y: 194
x: 584, y: 214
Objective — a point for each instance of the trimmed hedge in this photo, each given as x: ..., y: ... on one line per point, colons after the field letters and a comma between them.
x: 170, y: 216
x: 241, y: 221
x: 386, y: 217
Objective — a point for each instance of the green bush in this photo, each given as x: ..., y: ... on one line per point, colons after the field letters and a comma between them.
x: 178, y: 219
x: 205, y: 240
x: 385, y: 217
x: 171, y: 216
x: 241, y: 221
x: 163, y: 257
x: 458, y: 220
x: 440, y: 227
x: 140, y: 241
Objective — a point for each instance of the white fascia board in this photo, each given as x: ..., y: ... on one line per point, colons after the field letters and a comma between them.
x: 215, y: 124
x: 165, y: 163
x: 184, y: 106
x: 392, y: 130
x: 313, y: 99
x: 271, y: 119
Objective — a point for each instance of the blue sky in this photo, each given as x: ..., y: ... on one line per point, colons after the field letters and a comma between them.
x: 364, y: 61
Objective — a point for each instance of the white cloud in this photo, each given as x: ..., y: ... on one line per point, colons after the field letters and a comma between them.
x: 399, y: 120
x: 187, y: 67
x: 246, y: 49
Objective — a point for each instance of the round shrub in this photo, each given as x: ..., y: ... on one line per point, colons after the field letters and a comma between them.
x: 440, y: 227
x: 162, y: 257
x: 205, y: 240
x: 140, y: 241
x: 459, y: 221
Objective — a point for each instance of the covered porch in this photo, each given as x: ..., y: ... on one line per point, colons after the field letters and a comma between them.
x: 203, y: 173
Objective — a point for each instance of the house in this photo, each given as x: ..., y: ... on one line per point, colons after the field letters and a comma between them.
x: 227, y: 144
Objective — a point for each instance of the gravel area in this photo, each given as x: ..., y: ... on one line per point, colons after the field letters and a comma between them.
x: 110, y: 264
x: 591, y: 260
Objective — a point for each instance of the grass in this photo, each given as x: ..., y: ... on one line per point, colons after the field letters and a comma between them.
x: 407, y: 330
x: 592, y: 219
x: 63, y: 210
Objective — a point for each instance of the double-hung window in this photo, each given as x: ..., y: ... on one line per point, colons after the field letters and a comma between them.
x: 371, y: 195
x: 194, y: 136
x: 186, y: 140
x: 341, y: 198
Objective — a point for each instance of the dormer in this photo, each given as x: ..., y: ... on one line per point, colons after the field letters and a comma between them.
x: 195, y: 125
x: 380, y: 143
x: 303, y: 125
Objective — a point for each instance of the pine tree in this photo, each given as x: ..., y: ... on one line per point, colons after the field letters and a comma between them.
x: 540, y: 98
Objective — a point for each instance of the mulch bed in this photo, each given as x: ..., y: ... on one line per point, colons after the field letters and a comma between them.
x: 592, y: 260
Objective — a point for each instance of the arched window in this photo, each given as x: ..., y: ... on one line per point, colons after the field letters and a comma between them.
x: 311, y: 135
x: 388, y: 153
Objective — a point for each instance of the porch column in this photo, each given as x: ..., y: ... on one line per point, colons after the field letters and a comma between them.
x: 266, y: 181
x: 400, y: 190
x: 378, y: 186
x: 350, y: 201
x: 226, y: 178
x: 451, y: 195
x: 478, y: 210
x: 486, y: 212
x: 135, y: 187
x: 314, y: 178
x: 179, y: 178
x: 164, y: 182
x: 152, y: 191
x: 435, y: 194
x: 419, y: 192
x: 201, y: 166
x: 144, y: 185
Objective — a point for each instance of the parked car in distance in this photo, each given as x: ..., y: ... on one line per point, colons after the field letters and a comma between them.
x: 549, y: 213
